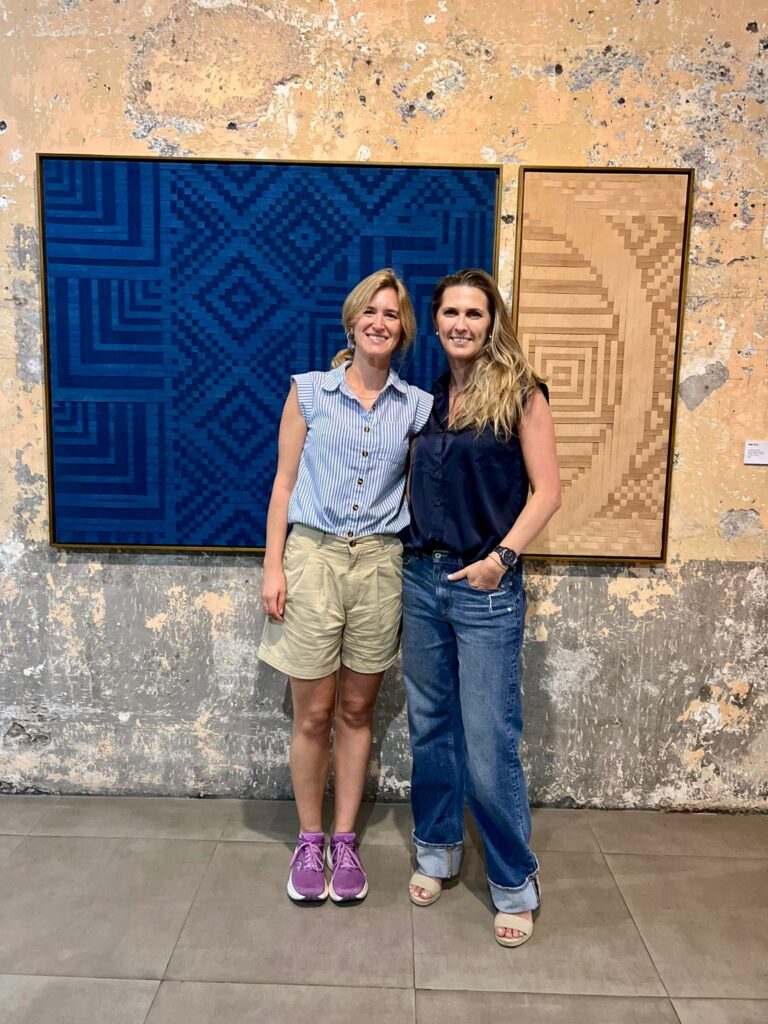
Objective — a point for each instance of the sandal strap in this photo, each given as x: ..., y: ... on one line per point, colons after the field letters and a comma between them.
x: 520, y: 924
x: 425, y: 882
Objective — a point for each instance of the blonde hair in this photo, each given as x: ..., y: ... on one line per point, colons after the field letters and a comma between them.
x: 359, y: 299
x: 500, y: 379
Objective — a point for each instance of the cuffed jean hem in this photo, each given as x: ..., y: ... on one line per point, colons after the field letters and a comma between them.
x: 515, y: 901
x: 438, y: 861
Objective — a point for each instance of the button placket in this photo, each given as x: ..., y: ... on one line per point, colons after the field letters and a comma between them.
x: 365, y: 453
x: 440, y: 499
x: 367, y: 424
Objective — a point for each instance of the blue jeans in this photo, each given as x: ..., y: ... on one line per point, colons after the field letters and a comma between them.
x: 461, y: 652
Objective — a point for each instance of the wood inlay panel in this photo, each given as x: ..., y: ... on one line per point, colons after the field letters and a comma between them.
x: 600, y: 266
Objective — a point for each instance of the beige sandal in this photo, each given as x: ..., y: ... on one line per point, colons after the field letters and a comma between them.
x: 432, y: 885
x: 520, y: 924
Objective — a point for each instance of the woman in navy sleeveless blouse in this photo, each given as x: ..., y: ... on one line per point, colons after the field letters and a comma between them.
x: 484, y: 483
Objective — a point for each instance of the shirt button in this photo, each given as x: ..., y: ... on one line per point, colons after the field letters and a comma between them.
x: 365, y: 455
x: 360, y: 480
x: 366, y: 430
x: 350, y: 534
x: 355, y: 508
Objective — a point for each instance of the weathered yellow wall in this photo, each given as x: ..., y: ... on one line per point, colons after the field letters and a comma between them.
x: 93, y: 647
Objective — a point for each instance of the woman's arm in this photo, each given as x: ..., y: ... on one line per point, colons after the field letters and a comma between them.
x: 290, y: 444
x: 537, y: 442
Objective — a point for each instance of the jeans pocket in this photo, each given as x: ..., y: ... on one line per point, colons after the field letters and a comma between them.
x: 482, y: 590
x: 510, y: 599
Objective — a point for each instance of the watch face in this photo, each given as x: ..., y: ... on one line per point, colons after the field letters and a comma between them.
x: 508, y: 557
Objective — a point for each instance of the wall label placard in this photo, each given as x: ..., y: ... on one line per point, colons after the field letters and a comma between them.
x: 756, y: 453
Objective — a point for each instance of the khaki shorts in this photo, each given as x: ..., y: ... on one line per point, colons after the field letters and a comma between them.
x: 343, y: 605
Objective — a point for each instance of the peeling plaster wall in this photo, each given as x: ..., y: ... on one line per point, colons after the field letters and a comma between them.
x: 644, y: 686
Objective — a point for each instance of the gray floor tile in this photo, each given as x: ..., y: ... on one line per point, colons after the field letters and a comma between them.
x: 19, y: 814
x: 386, y: 824
x: 703, y: 920
x: 585, y: 942
x: 102, y: 908
x: 552, y: 830
x: 693, y: 835
x: 562, y: 830
x: 263, y: 821
x: 721, y: 1011
x: 526, y: 1008
x: 243, y: 927
x: 201, y: 1003
x: 31, y: 1000
x: 8, y: 844
x: 566, y: 830
x: 390, y: 824
x: 136, y: 817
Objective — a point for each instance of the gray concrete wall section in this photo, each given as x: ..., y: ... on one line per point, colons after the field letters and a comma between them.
x: 138, y: 674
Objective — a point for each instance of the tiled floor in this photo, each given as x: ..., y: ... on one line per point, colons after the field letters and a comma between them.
x: 164, y: 911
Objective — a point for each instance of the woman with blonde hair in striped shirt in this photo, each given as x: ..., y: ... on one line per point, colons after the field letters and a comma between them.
x: 332, y: 590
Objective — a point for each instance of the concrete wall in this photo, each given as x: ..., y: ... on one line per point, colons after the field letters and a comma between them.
x: 644, y: 686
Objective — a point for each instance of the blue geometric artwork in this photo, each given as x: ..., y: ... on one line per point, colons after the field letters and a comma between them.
x: 179, y: 298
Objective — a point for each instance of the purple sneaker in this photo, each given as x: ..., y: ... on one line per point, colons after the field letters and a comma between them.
x: 307, y: 878
x: 348, y: 881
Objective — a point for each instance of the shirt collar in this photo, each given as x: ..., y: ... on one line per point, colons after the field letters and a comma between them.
x: 335, y: 378
x: 440, y: 392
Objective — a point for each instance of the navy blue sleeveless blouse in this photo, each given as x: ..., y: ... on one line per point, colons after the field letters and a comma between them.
x: 466, y: 490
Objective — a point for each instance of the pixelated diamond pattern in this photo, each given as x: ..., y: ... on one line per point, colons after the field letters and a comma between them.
x: 181, y: 295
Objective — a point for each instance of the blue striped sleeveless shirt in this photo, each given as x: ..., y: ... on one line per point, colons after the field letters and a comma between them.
x: 351, y: 477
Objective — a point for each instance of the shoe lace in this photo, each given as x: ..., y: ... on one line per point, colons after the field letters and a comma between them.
x: 345, y: 856
x: 309, y: 854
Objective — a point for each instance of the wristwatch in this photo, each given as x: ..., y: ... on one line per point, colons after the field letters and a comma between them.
x: 508, y: 557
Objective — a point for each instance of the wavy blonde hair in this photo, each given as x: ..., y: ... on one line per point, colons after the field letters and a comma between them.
x: 360, y: 298
x: 501, y: 379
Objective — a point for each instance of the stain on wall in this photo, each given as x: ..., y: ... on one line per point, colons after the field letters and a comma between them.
x: 694, y: 389
x: 644, y: 686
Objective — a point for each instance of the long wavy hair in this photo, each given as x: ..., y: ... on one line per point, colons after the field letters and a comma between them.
x: 501, y: 379
x: 361, y: 297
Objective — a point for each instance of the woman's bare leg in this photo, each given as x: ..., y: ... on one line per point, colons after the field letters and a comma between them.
x: 314, y: 701
x: 357, y: 692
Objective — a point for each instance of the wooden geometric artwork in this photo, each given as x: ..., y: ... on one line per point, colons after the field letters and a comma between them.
x: 599, y: 279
